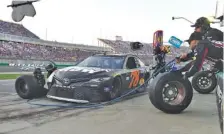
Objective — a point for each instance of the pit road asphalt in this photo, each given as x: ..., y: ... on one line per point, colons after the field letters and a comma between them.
x: 133, y: 116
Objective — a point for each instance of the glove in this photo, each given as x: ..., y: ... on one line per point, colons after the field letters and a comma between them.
x: 183, y: 56
x: 178, y: 59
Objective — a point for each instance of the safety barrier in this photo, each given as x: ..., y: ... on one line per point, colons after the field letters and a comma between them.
x: 4, y: 64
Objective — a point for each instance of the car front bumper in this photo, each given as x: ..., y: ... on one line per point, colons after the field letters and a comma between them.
x: 67, y: 99
x: 80, y: 93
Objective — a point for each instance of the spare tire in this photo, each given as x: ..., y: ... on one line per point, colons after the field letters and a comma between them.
x: 170, y: 93
x: 204, y: 82
x: 27, y: 87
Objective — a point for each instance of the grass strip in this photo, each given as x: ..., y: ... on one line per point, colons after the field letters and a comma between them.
x: 12, y: 76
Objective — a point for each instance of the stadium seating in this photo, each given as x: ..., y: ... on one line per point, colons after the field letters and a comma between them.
x: 28, y: 51
x: 146, y: 54
x: 15, y: 50
x: 15, y: 29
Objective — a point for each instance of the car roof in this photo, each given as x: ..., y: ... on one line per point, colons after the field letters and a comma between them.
x: 118, y: 55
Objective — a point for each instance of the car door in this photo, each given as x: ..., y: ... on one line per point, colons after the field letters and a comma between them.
x: 133, y: 75
x: 142, y: 71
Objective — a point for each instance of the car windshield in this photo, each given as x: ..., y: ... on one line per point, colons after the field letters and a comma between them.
x: 107, y: 62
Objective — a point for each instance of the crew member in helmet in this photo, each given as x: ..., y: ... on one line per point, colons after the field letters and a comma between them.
x: 205, y: 42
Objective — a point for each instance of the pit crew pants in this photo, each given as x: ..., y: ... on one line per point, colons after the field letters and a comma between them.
x: 205, y: 50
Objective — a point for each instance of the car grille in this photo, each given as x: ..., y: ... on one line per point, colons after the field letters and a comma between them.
x: 71, y: 93
x: 73, y: 80
x: 80, y: 80
x: 64, y: 93
x: 79, y: 95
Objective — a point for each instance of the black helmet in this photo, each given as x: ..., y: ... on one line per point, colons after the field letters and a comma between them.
x: 194, y: 36
x: 50, y: 67
x: 202, y: 22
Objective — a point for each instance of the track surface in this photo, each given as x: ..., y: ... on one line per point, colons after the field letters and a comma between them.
x: 132, y: 116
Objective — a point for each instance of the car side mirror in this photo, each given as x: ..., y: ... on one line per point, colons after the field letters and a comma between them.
x: 136, y: 46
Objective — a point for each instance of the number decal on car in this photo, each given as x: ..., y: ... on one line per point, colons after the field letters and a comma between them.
x: 134, y: 78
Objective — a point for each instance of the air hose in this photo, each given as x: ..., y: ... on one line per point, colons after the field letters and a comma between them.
x: 97, y: 105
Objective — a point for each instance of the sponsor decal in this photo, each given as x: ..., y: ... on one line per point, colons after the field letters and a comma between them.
x: 83, y: 69
x: 65, y: 87
x: 134, y: 78
x: 142, y: 81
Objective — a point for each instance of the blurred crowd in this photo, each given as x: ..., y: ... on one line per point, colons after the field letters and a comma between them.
x: 15, y: 50
x: 146, y: 54
x: 15, y: 29
x: 19, y: 50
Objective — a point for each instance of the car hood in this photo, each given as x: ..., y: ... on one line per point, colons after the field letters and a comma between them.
x: 75, y: 72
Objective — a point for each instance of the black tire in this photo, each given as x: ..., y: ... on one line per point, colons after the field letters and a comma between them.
x: 116, y: 89
x: 27, y: 87
x: 156, y: 92
x: 196, y: 83
x: 151, y: 92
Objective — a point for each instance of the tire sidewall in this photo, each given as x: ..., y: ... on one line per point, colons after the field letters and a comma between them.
x: 33, y: 89
x: 204, y: 74
x: 18, y: 90
x: 151, y: 92
x: 157, y: 89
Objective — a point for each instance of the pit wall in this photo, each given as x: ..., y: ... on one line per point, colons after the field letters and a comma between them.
x: 20, y: 63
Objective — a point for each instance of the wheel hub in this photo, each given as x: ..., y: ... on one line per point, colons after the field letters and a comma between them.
x: 26, y: 87
x: 173, y: 93
x: 170, y: 92
x: 23, y: 87
x: 204, y: 82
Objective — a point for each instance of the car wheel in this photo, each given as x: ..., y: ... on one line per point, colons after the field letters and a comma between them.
x: 204, y: 82
x: 170, y: 93
x: 151, y: 92
x: 115, y: 90
x: 27, y: 87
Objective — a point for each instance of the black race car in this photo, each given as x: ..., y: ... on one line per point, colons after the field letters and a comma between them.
x: 97, y: 78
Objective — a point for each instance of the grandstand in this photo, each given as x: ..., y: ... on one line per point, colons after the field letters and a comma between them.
x: 15, y: 29
x: 146, y: 54
x: 17, y: 43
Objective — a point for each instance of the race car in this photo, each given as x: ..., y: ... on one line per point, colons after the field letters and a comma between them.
x: 97, y: 78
